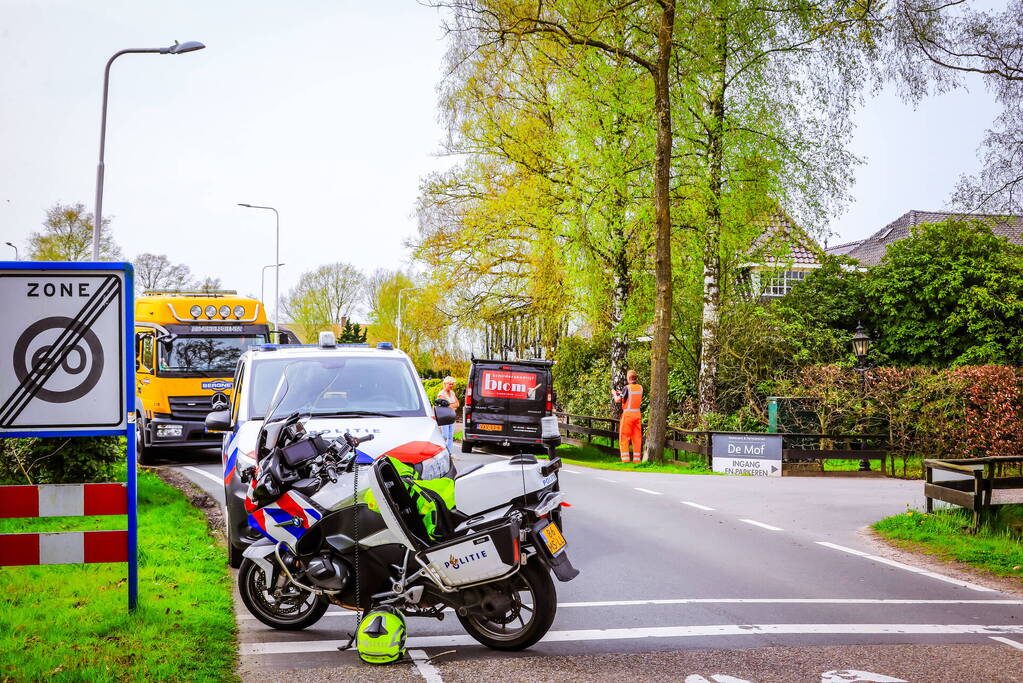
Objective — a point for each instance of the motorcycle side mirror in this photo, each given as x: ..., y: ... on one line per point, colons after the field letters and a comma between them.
x: 218, y: 421
x: 445, y: 415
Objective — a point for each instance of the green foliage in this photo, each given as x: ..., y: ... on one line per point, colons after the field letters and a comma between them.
x: 57, y: 460
x: 352, y: 333
x: 582, y: 377
x: 70, y: 622
x: 951, y: 294
x: 323, y: 299
x: 67, y: 236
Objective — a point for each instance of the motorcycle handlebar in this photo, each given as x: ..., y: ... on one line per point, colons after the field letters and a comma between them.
x: 364, y: 439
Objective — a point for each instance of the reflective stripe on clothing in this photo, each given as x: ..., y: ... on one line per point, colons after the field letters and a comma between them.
x: 633, y: 399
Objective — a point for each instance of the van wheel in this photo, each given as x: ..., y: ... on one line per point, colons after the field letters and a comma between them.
x: 466, y: 446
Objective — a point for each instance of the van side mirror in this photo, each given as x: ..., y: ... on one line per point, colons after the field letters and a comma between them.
x: 218, y: 421
x: 445, y: 415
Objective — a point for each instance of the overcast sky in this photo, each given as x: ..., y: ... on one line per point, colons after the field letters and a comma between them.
x: 323, y: 109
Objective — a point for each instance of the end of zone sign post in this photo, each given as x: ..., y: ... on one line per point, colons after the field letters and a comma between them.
x: 756, y: 455
x: 67, y: 353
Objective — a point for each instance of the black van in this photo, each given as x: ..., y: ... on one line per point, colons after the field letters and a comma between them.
x: 504, y: 402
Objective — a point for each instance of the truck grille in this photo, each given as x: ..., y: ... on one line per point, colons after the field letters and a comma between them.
x: 191, y: 408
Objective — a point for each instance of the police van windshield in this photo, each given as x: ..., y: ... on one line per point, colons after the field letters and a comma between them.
x: 206, y: 356
x: 342, y: 387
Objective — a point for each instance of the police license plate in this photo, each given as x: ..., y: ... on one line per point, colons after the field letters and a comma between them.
x: 552, y: 538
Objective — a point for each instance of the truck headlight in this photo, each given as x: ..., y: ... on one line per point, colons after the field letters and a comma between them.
x: 225, y: 311
x: 239, y: 311
x: 168, y: 431
x: 211, y: 311
x: 196, y: 311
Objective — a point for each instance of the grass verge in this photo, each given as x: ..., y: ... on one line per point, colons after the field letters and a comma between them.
x: 944, y: 534
x: 588, y: 456
x: 70, y: 622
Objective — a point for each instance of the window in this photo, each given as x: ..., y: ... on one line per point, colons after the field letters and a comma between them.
x: 780, y: 283
x: 201, y: 356
x: 146, y: 353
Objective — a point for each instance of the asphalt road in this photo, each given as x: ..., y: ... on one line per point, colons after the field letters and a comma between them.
x: 704, y: 578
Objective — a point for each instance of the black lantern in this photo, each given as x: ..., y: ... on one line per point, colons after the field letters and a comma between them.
x: 860, y: 343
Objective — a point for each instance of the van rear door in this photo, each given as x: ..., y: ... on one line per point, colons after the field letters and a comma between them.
x: 508, y: 399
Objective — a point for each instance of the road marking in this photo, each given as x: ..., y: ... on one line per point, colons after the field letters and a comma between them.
x: 613, y: 481
x: 909, y: 568
x: 427, y: 670
x: 856, y: 676
x: 696, y: 505
x: 1010, y: 643
x: 565, y: 469
x: 716, y: 678
x: 712, y: 630
x: 204, y: 473
x: 761, y: 525
x: 652, y: 493
x: 734, y: 601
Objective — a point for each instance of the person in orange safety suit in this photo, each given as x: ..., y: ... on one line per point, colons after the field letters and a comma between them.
x: 630, y: 428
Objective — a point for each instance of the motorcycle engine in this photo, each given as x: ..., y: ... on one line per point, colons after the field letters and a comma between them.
x: 327, y: 572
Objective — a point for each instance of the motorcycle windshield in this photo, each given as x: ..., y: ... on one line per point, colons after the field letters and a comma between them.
x: 303, y: 385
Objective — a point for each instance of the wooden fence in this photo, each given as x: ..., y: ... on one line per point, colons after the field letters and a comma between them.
x: 983, y: 485
x: 796, y: 446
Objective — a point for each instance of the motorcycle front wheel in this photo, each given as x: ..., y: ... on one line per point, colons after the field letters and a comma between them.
x: 293, y: 609
x: 515, y: 612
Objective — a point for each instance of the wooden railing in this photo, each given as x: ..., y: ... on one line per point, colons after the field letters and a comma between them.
x: 796, y: 446
x: 983, y: 487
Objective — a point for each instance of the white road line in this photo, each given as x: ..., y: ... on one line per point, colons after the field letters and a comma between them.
x: 565, y: 469
x: 1010, y: 643
x: 737, y: 601
x: 696, y: 505
x: 712, y: 630
x: 613, y: 481
x: 761, y: 525
x: 908, y: 568
x: 652, y: 493
x: 216, y: 480
x: 427, y: 670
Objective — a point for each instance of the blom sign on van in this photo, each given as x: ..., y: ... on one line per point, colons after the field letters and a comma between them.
x: 503, y: 384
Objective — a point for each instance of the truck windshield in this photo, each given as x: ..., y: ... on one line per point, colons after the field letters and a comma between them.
x: 209, y: 356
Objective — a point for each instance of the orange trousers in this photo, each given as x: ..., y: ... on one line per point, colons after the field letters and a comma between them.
x: 630, y: 430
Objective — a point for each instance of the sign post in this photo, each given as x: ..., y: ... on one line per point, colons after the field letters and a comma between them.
x: 67, y: 356
x: 756, y: 455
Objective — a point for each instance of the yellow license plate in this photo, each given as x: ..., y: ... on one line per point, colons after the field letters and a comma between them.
x: 489, y: 428
x: 553, y: 538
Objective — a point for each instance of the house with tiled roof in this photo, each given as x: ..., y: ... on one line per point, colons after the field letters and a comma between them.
x: 781, y: 256
x: 870, y: 251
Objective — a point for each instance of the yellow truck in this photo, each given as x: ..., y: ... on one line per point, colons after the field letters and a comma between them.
x: 187, y: 346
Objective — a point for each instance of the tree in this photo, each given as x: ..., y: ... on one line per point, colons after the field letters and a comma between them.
x: 325, y: 297
x: 640, y: 35
x: 423, y: 322
x: 67, y: 236
x: 936, y: 45
x: 208, y: 284
x: 951, y: 294
x: 353, y: 333
x: 155, y: 271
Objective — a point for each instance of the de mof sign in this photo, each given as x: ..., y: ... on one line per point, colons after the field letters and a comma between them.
x: 757, y: 455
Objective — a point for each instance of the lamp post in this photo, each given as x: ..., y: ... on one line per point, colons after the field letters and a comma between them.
x: 15, y: 250
x: 277, y: 260
x: 262, y: 280
x: 175, y: 49
x: 861, y: 347
x: 400, y: 292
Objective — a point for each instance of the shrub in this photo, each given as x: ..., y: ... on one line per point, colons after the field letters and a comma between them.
x: 55, y: 460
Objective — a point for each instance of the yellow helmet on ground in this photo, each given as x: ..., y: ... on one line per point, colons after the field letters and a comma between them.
x: 381, y: 636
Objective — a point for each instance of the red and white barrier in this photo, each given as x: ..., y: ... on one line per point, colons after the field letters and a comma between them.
x: 63, y: 500
x: 67, y: 547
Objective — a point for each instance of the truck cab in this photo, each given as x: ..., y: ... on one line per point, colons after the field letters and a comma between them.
x: 187, y: 346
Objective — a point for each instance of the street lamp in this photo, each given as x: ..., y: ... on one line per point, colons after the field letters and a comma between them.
x: 262, y: 280
x: 175, y: 49
x: 277, y: 260
x: 400, y: 292
x: 15, y: 250
x: 860, y: 347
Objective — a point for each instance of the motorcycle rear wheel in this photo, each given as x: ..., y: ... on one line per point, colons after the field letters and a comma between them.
x: 533, y: 602
x: 292, y: 612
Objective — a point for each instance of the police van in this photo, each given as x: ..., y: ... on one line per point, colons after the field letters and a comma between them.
x: 377, y: 392
x: 504, y: 403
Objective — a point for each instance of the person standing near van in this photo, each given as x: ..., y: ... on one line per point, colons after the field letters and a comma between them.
x: 447, y: 393
x: 630, y: 429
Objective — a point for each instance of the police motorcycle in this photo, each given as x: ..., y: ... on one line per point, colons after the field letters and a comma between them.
x: 340, y: 527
